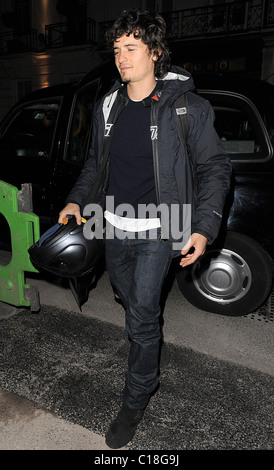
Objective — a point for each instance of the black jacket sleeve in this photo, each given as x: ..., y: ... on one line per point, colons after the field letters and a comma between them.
x: 213, y: 169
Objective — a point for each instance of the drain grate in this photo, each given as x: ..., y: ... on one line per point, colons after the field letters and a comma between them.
x: 265, y: 313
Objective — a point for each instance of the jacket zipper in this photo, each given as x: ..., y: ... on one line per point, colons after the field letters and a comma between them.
x: 154, y: 122
x: 155, y: 153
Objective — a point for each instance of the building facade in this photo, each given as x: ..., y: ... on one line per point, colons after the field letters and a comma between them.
x: 45, y: 42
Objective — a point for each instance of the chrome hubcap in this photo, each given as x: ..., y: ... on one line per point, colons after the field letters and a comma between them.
x: 222, y: 276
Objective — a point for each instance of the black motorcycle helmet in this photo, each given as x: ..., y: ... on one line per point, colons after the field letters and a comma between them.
x: 65, y: 251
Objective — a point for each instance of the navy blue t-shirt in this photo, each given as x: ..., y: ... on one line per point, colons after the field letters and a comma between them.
x: 131, y: 161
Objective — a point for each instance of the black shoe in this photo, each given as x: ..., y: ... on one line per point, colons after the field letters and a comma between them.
x: 123, y: 427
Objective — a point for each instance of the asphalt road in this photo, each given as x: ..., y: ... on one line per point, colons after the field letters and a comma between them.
x: 67, y: 366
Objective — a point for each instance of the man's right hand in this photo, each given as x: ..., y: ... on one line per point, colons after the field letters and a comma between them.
x: 70, y: 209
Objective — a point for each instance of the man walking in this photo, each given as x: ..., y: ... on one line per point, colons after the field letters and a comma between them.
x: 136, y: 133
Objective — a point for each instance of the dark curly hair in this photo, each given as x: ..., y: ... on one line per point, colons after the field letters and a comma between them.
x: 150, y: 28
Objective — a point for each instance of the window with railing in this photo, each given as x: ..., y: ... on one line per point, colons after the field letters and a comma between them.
x: 18, y: 35
x: 61, y: 34
x: 74, y: 29
x: 22, y: 14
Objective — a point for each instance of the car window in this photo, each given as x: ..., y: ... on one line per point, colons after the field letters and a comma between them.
x: 31, y: 129
x: 80, y: 124
x: 239, y: 126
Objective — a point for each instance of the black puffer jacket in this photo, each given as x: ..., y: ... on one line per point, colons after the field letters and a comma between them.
x: 172, y: 164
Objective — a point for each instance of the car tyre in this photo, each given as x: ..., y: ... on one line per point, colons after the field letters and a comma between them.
x: 234, y: 277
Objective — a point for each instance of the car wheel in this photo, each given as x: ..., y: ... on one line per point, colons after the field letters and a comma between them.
x: 232, y: 278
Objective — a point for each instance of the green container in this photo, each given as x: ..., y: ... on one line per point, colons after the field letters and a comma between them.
x: 16, y: 207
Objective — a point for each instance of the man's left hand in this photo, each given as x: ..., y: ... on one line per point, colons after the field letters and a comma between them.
x: 197, y: 242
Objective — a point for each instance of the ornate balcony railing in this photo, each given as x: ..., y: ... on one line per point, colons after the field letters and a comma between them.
x: 221, y: 19
x: 224, y: 19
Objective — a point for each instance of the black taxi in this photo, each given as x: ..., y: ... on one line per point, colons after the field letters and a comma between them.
x: 44, y: 140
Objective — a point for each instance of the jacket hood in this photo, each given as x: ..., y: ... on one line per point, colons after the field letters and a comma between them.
x: 176, y: 82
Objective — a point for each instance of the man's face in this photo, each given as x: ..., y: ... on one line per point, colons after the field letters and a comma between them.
x: 134, y: 61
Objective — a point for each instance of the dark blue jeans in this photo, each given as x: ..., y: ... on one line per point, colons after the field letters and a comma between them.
x: 137, y: 269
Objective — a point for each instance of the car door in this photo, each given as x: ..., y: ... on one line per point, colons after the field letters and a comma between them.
x: 26, y: 143
x: 246, y: 140
x: 74, y: 146
x: 234, y: 277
